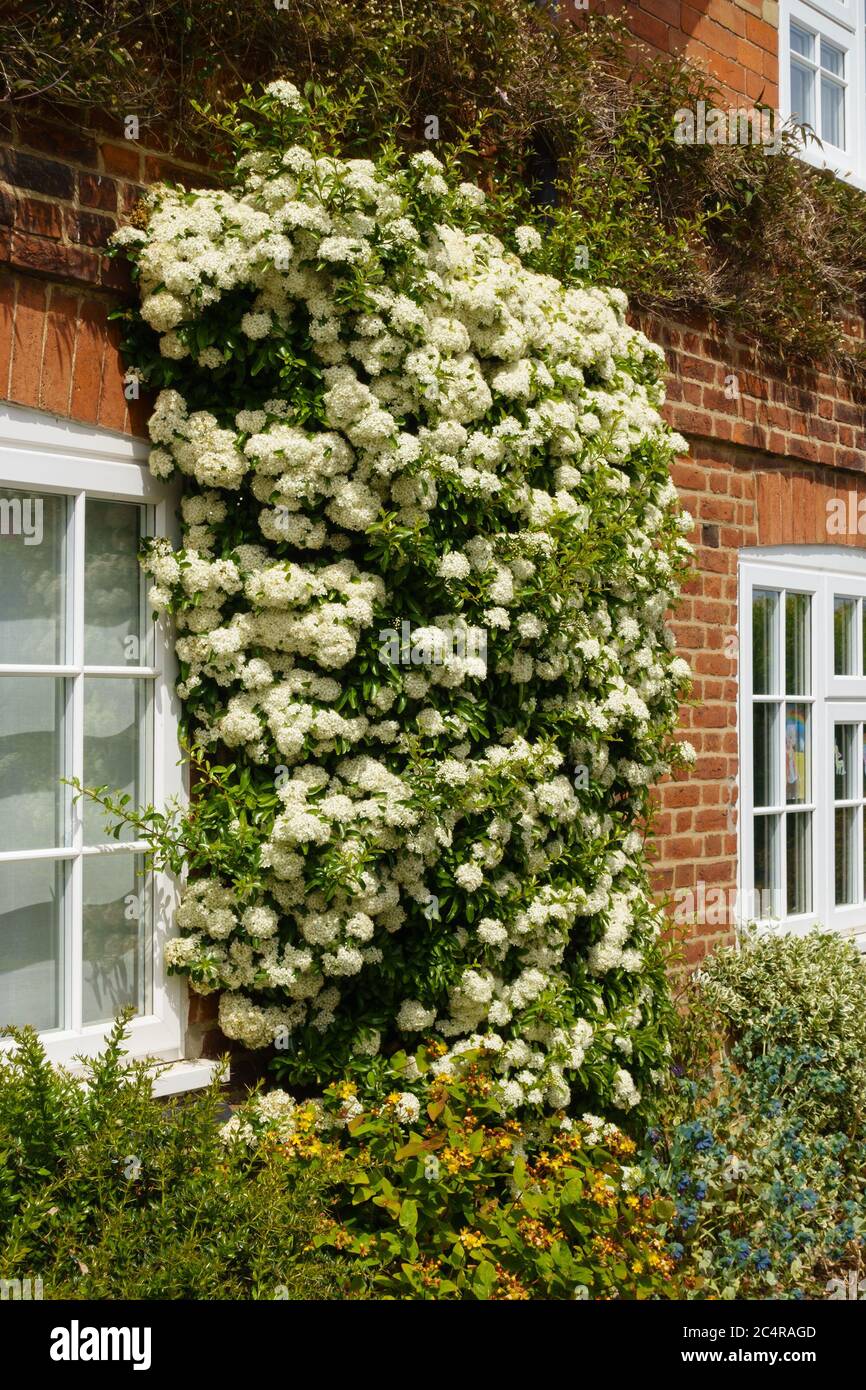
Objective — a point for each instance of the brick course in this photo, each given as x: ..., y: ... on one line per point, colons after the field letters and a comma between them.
x: 64, y: 190
x: 59, y: 353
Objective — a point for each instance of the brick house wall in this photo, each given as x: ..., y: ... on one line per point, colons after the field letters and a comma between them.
x: 63, y: 191
x: 770, y: 447
x: 765, y: 458
x: 735, y: 41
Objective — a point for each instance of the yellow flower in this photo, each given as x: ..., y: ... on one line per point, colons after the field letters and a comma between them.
x: 472, y: 1240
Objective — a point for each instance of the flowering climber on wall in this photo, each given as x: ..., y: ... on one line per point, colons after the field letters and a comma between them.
x: 429, y: 542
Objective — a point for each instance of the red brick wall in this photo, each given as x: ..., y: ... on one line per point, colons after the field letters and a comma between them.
x: 762, y: 467
x: 59, y: 352
x: 63, y: 190
x: 735, y: 41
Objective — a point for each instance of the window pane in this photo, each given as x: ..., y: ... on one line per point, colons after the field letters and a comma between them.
x: 114, y: 711
x: 798, y: 771
x: 846, y: 825
x: 798, y: 834
x: 765, y: 605
x: 832, y: 113
x: 802, y: 94
x: 766, y: 867
x: 766, y: 781
x: 31, y: 895
x: 832, y: 58
x: 802, y: 41
x: 844, y: 617
x: 32, y: 577
x: 32, y: 799
x: 797, y: 645
x: 112, y: 584
x: 845, y: 770
x: 116, y: 936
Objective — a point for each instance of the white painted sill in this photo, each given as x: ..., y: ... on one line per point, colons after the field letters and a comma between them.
x: 176, y: 1077
x: 173, y: 1078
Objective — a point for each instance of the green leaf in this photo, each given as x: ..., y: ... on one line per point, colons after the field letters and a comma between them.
x: 484, y: 1279
x: 409, y: 1215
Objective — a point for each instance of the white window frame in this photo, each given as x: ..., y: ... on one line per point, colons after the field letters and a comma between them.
x: 38, y: 451
x: 842, y: 23
x: 822, y: 571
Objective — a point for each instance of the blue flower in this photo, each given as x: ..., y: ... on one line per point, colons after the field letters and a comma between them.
x: 687, y: 1216
x: 698, y: 1135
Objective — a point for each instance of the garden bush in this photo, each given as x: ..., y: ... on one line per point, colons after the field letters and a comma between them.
x: 438, y: 1194
x: 803, y: 994
x: 766, y: 1204
x: 107, y: 1193
x: 430, y: 539
x: 759, y: 1143
x: 746, y: 1185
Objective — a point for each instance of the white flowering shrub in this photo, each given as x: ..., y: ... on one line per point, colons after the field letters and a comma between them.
x: 429, y: 543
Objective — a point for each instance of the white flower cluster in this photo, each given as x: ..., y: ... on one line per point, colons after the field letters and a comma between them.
x: 472, y: 445
x: 272, y: 1112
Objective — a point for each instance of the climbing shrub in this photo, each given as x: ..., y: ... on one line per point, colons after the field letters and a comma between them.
x: 430, y: 539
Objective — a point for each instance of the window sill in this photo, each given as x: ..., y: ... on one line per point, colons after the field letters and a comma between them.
x: 176, y: 1077
x: 173, y: 1078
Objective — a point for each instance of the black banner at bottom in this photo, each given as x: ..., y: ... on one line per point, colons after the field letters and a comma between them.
x: 82, y: 1340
